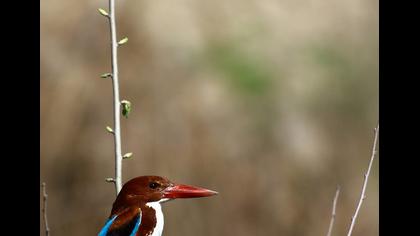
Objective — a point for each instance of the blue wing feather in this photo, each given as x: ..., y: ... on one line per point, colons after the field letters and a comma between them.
x: 137, y: 225
x: 108, y: 224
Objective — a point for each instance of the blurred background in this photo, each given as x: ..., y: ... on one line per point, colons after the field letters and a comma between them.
x: 271, y: 103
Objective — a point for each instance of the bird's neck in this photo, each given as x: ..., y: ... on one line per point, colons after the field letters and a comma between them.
x: 159, y: 218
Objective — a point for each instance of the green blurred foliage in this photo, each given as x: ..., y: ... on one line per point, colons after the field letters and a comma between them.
x: 245, y: 75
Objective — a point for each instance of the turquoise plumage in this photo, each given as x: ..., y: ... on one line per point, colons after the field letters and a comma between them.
x: 106, y: 232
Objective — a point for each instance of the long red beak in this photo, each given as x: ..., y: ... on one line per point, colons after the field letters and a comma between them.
x: 186, y: 191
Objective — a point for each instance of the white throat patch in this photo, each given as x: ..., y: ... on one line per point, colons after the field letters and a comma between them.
x: 159, y: 217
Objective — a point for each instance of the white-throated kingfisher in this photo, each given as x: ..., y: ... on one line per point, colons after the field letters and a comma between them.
x: 137, y: 210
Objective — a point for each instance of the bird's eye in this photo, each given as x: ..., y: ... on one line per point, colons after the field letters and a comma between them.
x: 153, y: 185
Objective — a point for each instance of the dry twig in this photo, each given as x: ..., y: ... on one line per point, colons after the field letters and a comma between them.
x: 366, y: 177
x: 337, y: 192
x: 44, y: 210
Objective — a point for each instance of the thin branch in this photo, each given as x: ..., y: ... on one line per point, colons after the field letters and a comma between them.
x: 44, y: 210
x: 366, y: 177
x: 337, y: 192
x: 117, y: 103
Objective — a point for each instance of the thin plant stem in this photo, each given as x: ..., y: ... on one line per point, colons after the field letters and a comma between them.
x: 330, y: 228
x: 116, y: 95
x: 366, y: 177
x: 44, y: 209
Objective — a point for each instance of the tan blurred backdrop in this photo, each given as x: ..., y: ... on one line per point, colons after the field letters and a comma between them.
x: 271, y: 103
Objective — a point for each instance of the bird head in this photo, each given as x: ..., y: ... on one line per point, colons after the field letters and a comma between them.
x: 145, y: 189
